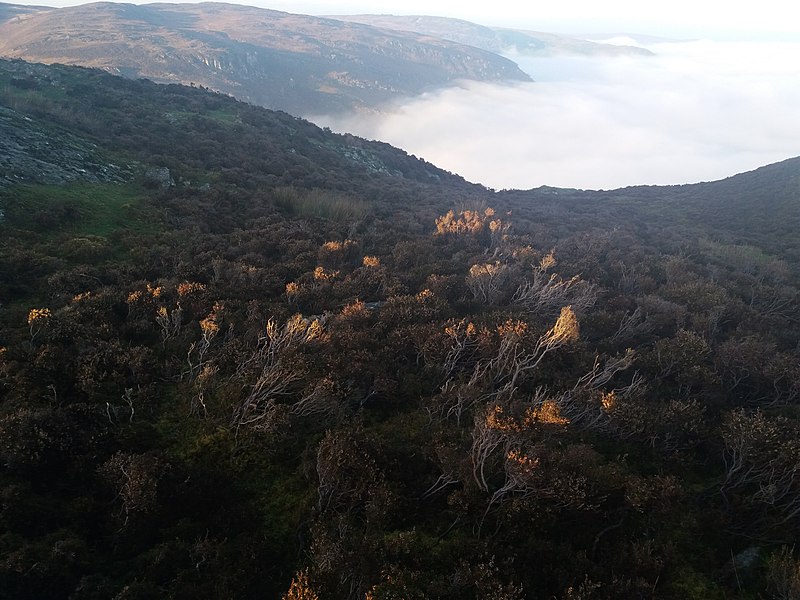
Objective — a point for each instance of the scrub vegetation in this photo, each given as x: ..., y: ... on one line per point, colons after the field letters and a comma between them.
x: 279, y: 362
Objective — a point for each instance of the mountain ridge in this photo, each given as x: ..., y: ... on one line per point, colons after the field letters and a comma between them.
x: 24, y: 76
x: 10, y: 11
x: 55, y: 86
x: 495, y: 39
x: 289, y: 62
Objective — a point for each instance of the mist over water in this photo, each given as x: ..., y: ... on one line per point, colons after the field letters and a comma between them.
x: 696, y: 111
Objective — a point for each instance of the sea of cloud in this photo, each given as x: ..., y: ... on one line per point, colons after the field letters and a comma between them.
x: 694, y: 111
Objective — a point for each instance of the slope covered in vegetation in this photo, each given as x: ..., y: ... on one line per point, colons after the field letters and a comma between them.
x: 298, y: 63
x: 273, y: 360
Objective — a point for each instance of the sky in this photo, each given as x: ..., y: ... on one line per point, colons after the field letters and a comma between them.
x: 720, y: 96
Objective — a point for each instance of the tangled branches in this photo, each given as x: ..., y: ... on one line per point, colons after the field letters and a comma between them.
x: 274, y: 372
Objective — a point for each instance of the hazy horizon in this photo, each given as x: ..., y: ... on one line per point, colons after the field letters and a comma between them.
x: 696, y: 111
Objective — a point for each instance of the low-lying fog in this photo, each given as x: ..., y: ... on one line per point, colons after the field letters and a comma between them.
x: 695, y: 111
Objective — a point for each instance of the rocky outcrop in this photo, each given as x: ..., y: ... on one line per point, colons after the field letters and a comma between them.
x: 34, y: 152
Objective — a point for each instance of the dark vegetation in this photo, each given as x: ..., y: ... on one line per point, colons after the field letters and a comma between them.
x: 281, y: 361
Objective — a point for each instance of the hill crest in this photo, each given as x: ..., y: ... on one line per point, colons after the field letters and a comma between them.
x: 301, y: 64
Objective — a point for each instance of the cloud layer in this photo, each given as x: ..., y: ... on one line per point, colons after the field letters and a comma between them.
x: 696, y: 111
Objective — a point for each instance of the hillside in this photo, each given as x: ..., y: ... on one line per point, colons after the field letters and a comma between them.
x: 44, y: 120
x: 36, y: 152
x: 263, y: 360
x: 495, y: 39
x: 295, y: 63
x: 13, y: 11
x: 761, y: 207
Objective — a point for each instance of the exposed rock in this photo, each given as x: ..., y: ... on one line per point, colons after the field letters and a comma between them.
x: 160, y: 177
x: 33, y: 152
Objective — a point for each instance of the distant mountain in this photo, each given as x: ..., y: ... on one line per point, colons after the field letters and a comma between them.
x: 290, y: 62
x: 620, y: 38
x: 495, y: 39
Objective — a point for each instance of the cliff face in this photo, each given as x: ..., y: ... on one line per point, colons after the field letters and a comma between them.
x: 295, y: 63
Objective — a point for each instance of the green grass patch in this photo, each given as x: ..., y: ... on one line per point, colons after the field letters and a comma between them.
x: 225, y: 116
x: 23, y: 93
x: 77, y: 209
x: 220, y: 115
